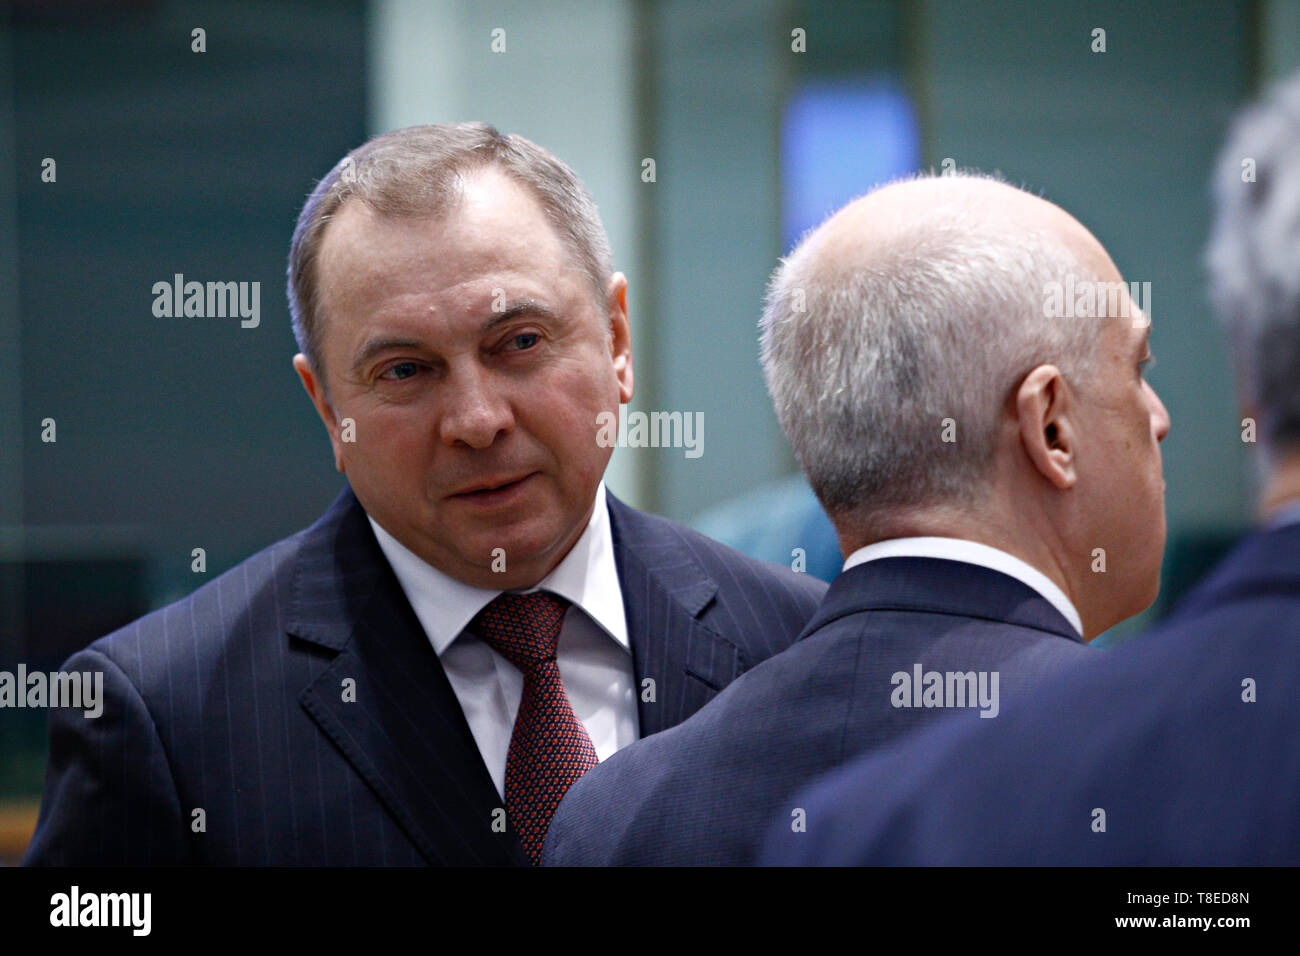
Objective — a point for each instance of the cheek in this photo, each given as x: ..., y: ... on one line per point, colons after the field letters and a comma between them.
x: 391, y: 437
x: 579, y: 391
x: 568, y: 423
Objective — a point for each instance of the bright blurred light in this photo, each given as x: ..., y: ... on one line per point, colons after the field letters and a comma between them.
x: 838, y: 139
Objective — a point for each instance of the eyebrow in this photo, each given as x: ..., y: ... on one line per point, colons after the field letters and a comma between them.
x: 524, y: 307
x: 383, y: 343
x: 375, y: 346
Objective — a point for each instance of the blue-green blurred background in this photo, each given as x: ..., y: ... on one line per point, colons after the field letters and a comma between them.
x: 760, y: 116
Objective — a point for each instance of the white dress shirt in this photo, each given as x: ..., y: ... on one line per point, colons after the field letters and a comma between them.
x: 594, y: 654
x: 971, y: 552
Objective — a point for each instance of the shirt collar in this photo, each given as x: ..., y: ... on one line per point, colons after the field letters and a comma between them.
x: 971, y: 552
x: 587, y: 577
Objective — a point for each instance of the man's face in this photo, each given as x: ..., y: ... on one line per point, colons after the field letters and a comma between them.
x: 474, y: 359
x: 1123, y: 422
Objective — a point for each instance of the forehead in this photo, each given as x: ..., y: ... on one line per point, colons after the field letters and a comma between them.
x: 1130, y: 330
x: 495, y: 235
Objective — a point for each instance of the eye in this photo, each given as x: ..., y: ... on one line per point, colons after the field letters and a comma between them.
x: 402, y: 370
x: 1147, y: 364
x: 522, y: 342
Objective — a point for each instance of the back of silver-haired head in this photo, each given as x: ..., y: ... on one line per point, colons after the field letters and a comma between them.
x: 871, y: 360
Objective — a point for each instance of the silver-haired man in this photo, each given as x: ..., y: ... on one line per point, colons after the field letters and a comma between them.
x: 993, y: 473
x: 1178, y: 749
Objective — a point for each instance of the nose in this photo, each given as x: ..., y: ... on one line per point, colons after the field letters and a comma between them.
x: 475, y: 409
x: 1159, y: 414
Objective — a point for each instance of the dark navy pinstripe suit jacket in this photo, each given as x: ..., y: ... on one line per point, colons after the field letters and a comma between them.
x: 231, y: 702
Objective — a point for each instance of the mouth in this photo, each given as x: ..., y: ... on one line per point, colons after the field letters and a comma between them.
x: 492, y: 491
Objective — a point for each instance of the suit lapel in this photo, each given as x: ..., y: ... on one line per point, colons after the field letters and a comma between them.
x: 680, y: 662
x: 399, y: 724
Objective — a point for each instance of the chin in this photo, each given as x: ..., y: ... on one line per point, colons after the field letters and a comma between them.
x: 527, y: 541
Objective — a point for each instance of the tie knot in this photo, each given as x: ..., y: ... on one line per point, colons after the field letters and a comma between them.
x: 522, y: 628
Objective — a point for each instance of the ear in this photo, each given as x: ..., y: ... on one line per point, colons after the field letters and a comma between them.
x: 316, y: 391
x: 1047, y: 431
x: 620, y: 334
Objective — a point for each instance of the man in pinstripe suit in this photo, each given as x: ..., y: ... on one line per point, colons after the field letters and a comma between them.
x: 351, y: 695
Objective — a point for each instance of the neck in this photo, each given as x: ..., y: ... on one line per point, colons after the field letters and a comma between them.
x: 1032, y: 544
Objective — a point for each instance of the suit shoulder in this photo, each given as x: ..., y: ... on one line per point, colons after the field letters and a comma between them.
x: 201, y: 624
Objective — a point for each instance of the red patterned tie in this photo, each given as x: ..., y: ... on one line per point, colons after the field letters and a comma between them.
x: 549, y: 746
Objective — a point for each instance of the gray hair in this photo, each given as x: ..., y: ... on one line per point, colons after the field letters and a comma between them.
x: 942, y: 323
x: 420, y: 171
x: 1253, y: 257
